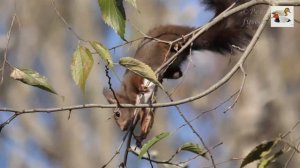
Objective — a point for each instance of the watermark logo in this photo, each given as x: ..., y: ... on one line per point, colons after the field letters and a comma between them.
x: 282, y: 16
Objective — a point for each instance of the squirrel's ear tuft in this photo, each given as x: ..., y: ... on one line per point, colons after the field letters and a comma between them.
x: 109, y: 96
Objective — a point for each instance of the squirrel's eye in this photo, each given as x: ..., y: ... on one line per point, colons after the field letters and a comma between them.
x: 117, y: 114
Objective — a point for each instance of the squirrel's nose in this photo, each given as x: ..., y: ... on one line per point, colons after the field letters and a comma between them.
x: 124, y: 127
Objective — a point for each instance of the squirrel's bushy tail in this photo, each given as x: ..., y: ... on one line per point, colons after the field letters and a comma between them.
x: 218, y: 5
x: 236, y: 29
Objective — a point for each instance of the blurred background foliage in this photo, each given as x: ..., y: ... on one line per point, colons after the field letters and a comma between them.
x: 269, y: 104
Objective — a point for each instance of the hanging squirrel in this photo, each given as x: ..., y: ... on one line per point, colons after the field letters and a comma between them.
x: 219, y: 38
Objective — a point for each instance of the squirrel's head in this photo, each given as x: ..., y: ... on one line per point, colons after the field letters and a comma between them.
x: 122, y: 116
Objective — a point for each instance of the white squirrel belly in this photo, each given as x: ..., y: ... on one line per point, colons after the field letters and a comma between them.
x: 144, y: 98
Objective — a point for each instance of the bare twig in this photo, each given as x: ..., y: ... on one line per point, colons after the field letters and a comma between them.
x: 290, y: 131
x: 2, y: 69
x: 192, y: 158
x: 69, y: 116
x: 117, y: 151
x: 193, y: 130
x: 220, y: 163
x: 210, y: 110
x: 130, y: 130
x: 127, y: 43
x: 156, y: 161
x: 8, y: 121
x: 295, y: 148
x: 145, y: 36
x: 240, y: 90
x: 65, y: 22
x: 150, y: 161
x: 110, y: 85
x: 185, y: 72
x: 169, y: 161
x: 286, y: 165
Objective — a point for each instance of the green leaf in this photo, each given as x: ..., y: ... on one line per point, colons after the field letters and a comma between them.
x: 140, y: 68
x: 258, y: 152
x: 151, y: 142
x: 82, y: 63
x: 133, y: 2
x: 32, y: 78
x: 194, y: 148
x: 113, y: 14
x: 266, y: 161
x: 103, y: 52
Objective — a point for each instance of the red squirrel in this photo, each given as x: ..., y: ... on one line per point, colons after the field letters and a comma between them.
x: 219, y: 38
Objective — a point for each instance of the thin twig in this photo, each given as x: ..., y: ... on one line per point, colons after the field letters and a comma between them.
x: 110, y: 85
x: 240, y: 90
x: 290, y: 131
x: 150, y: 161
x: 127, y: 43
x: 210, y: 110
x: 145, y: 36
x: 169, y: 161
x: 185, y: 72
x: 291, y: 157
x: 193, y: 130
x: 295, y: 148
x: 117, y: 151
x: 156, y: 161
x: 64, y: 21
x: 130, y: 130
x: 2, y: 69
x: 10, y: 119
x: 192, y: 158
x: 220, y: 163
x: 69, y: 116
